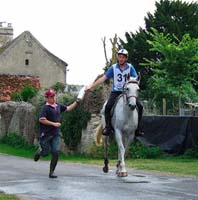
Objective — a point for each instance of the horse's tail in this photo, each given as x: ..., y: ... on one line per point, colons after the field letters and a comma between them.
x: 99, y: 134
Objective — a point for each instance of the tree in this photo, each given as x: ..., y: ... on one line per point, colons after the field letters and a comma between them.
x: 177, y: 69
x: 114, y: 50
x: 173, y: 17
x: 138, y: 49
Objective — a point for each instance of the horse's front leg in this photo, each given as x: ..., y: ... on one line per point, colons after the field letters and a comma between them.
x: 121, y: 168
x: 118, y: 163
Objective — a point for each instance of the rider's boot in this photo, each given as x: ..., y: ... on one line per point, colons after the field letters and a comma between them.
x: 108, y: 130
x: 139, y: 131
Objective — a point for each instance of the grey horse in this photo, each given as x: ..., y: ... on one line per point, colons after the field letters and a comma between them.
x: 124, y: 121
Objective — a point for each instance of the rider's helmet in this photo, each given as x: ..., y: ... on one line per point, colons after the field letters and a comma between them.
x: 50, y: 93
x: 123, y: 52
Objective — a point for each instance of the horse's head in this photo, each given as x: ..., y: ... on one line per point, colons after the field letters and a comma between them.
x: 131, y: 89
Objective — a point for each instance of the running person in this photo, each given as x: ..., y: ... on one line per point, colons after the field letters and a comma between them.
x: 118, y: 72
x: 49, y: 119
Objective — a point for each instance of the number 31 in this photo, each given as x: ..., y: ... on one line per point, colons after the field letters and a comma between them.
x: 120, y: 77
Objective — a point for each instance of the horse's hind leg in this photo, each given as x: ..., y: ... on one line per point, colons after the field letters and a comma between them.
x: 106, y: 167
x: 118, y: 166
x: 106, y: 160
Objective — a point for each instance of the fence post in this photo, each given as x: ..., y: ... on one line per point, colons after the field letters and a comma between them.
x: 164, y: 106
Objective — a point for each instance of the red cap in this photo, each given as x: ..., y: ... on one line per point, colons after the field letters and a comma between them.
x: 50, y: 93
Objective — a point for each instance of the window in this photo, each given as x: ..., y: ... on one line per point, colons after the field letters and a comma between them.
x: 26, y: 62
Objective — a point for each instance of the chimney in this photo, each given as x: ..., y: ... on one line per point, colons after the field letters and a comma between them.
x: 6, y: 33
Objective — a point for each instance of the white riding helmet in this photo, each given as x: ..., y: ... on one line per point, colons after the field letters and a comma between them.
x: 123, y: 52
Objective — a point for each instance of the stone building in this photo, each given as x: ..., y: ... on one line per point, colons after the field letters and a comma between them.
x: 25, y: 55
x: 6, y: 34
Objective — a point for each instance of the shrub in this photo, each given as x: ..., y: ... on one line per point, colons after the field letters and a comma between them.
x: 16, y: 96
x: 139, y: 150
x: 72, y: 124
x: 58, y: 87
x: 191, y: 153
x: 16, y: 141
x: 27, y: 93
x: 98, y: 151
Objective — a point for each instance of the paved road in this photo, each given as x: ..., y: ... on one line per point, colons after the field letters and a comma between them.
x: 29, y: 180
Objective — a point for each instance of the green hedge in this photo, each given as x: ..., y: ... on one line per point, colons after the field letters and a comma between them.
x: 136, y: 150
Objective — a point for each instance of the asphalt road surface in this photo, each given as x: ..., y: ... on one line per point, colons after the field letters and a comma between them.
x: 29, y: 180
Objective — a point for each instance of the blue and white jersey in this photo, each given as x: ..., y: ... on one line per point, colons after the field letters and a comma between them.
x: 120, y: 76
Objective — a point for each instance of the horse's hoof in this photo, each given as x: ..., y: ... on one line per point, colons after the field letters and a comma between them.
x: 105, y: 169
x: 122, y: 174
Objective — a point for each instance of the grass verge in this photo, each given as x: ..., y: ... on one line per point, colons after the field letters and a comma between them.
x: 175, y: 165
x: 8, y: 197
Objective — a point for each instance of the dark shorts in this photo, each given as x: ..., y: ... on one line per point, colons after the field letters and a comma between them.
x: 50, y: 144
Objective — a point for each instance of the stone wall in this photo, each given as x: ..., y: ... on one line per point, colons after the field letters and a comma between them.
x: 12, y: 83
x: 89, y: 134
x: 17, y: 117
x: 93, y: 102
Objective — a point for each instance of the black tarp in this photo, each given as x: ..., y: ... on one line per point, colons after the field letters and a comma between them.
x: 173, y: 134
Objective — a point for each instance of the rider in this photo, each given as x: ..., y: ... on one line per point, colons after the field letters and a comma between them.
x: 118, y: 72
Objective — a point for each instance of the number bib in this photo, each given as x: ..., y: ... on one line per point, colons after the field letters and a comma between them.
x: 119, y: 78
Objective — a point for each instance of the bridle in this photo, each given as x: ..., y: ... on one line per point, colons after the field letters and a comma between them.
x: 125, y: 93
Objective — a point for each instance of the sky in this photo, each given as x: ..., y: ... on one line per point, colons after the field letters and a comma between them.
x: 73, y: 29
